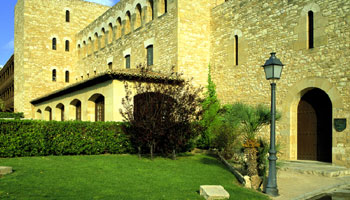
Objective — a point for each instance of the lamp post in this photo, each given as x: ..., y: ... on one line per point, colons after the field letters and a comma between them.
x: 273, y: 70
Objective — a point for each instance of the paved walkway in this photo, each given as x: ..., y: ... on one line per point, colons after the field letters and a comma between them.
x: 298, y: 180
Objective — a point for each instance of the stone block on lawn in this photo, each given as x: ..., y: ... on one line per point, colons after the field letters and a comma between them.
x: 5, y: 170
x: 211, y: 192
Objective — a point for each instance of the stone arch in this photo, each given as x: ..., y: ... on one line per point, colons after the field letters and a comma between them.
x: 118, y: 28
x: 138, y: 16
x: 127, y: 25
x: 150, y: 11
x: 96, y: 45
x: 141, y: 2
x: 129, y: 8
x: 75, y: 110
x: 89, y: 45
x: 48, y: 113
x: 60, y: 112
x: 95, y: 109
x: 103, y: 38
x: 310, y: 7
x: 111, y: 20
x: 110, y: 33
x: 38, y: 114
x: 162, y: 7
x: 291, y: 102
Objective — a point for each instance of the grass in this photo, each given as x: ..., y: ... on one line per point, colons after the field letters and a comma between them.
x: 120, y: 177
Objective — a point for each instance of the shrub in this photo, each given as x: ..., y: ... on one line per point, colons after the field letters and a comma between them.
x: 165, y: 124
x: 41, y: 138
x: 11, y: 115
x: 211, y: 107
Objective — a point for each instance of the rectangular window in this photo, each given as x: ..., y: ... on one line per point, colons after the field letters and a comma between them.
x: 236, y: 49
x: 54, y: 42
x: 127, y: 62
x: 54, y: 75
x: 311, y: 29
x: 150, y: 55
x: 67, y: 45
x: 67, y: 76
x: 67, y: 16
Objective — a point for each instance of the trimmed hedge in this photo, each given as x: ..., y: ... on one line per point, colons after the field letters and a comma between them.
x: 41, y: 138
x: 11, y: 115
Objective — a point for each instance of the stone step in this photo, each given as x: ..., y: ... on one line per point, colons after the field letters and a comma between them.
x: 212, y: 192
x: 5, y: 170
x: 315, y: 168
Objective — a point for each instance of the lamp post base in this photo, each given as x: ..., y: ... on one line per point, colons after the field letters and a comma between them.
x: 272, y: 192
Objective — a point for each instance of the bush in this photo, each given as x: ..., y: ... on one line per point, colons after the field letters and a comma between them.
x: 41, y: 138
x: 11, y: 115
x: 161, y: 112
x: 211, y: 107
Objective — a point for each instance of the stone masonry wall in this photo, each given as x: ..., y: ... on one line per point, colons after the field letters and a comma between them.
x: 193, y: 37
x: 281, y: 26
x: 37, y: 22
x: 107, y: 44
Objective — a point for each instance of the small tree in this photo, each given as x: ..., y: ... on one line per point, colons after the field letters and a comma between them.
x: 161, y: 111
x: 211, y: 107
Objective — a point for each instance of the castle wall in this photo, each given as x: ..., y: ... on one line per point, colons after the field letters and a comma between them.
x: 193, y: 38
x: 37, y: 23
x: 281, y: 26
x: 107, y: 41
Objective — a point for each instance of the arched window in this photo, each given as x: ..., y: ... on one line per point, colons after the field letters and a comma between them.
x: 60, y: 109
x: 54, y: 75
x: 84, y: 48
x: 119, y: 28
x: 67, y: 16
x: 100, y: 109
x: 127, y: 61
x: 79, y: 50
x: 150, y: 9
x: 149, y: 55
x: 90, y: 46
x: 54, y: 43
x: 96, y: 42
x: 311, y: 29
x: 38, y: 114
x: 138, y: 15
x: 67, y: 45
x: 110, y: 65
x: 236, y: 49
x: 67, y: 76
x: 110, y: 33
x: 163, y: 7
x: 127, y: 27
x: 75, y: 109
x: 48, y: 113
x: 78, y: 111
x: 103, y: 38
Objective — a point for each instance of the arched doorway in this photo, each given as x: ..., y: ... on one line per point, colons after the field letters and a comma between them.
x: 315, y: 126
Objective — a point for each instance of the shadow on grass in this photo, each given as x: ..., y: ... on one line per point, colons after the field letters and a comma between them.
x: 213, y: 160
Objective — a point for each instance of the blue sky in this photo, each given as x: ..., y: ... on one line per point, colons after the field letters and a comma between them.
x: 7, y: 14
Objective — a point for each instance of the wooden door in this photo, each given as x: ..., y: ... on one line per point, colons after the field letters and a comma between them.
x: 307, y: 131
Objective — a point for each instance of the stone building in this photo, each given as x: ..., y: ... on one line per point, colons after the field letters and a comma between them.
x: 71, y: 58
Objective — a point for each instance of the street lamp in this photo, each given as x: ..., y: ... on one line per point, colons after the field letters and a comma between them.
x: 273, y: 70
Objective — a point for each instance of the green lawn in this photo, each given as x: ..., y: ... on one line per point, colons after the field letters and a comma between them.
x: 116, y: 177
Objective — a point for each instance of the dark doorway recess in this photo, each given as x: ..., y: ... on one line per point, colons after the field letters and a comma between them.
x: 315, y: 126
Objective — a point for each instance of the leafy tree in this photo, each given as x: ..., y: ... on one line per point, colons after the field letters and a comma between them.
x: 211, y: 107
x: 161, y: 111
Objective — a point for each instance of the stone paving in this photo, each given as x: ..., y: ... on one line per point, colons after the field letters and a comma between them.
x: 298, y: 180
